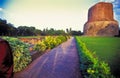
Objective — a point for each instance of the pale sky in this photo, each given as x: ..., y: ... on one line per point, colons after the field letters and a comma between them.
x: 58, y: 14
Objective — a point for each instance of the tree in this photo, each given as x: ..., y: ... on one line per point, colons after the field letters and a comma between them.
x: 51, y: 31
x: 26, y: 31
x: 7, y: 29
x: 119, y: 32
x: 12, y: 31
x: 3, y: 27
x: 78, y: 33
x: 38, y: 32
x: 67, y: 30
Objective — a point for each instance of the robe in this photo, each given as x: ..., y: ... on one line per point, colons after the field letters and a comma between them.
x: 6, y: 60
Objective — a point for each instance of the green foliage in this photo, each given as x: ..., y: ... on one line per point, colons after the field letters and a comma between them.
x: 53, y: 41
x: 62, y: 38
x: 21, y: 55
x: 49, y: 43
x: 7, y: 28
x: 90, y: 64
x: 40, y: 47
x: 26, y: 31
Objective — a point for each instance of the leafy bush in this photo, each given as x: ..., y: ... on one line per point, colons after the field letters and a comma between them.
x: 53, y: 41
x: 40, y: 47
x: 49, y: 43
x: 90, y: 65
x: 62, y: 38
x: 21, y: 55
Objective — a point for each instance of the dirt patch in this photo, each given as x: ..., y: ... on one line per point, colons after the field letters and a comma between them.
x: 31, y: 41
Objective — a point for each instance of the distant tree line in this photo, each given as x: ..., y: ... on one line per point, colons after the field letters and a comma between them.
x: 119, y: 34
x: 8, y: 29
x: 73, y: 32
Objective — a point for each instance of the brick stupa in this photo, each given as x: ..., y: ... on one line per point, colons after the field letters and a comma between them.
x: 101, y: 21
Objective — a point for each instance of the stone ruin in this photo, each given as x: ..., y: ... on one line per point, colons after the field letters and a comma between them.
x: 101, y: 21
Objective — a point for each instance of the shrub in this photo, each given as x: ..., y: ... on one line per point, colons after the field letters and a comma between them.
x: 62, y: 38
x: 21, y: 55
x: 49, y: 43
x: 90, y: 65
x: 53, y: 41
x: 40, y: 47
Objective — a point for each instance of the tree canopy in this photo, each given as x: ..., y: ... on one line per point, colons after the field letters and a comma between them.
x: 8, y: 29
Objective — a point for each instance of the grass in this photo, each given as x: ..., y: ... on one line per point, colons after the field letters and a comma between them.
x: 107, y: 49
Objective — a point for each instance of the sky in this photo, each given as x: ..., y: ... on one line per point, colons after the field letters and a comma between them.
x: 58, y: 14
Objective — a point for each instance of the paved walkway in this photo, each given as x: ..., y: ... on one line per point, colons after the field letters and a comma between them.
x: 61, y: 62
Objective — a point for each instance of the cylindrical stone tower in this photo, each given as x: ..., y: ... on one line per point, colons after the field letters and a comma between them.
x: 101, y: 21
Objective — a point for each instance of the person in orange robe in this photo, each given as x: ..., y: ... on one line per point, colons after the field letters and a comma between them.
x: 6, y: 60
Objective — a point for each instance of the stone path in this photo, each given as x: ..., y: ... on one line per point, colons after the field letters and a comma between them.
x: 61, y: 62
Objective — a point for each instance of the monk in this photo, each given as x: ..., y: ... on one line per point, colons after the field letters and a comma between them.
x: 6, y: 60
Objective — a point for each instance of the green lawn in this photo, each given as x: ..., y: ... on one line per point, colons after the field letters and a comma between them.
x: 107, y: 49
